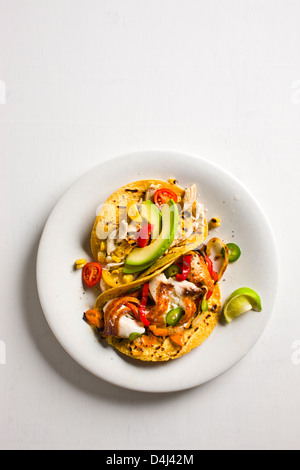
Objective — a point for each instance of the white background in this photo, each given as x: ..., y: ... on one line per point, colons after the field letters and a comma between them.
x: 86, y: 80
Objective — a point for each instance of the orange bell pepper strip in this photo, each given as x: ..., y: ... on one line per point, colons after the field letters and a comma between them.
x: 177, y: 339
x: 158, y: 331
x: 148, y: 341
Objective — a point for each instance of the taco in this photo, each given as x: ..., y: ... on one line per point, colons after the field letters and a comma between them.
x: 144, y: 226
x: 169, y: 313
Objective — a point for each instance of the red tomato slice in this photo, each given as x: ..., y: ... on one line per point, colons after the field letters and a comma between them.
x: 91, y: 273
x: 163, y: 195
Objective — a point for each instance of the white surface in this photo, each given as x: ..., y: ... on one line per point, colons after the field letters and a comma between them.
x: 88, y: 80
x: 66, y: 238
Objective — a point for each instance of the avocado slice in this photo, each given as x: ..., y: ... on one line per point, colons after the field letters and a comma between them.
x: 141, y: 258
x: 136, y: 269
x: 152, y: 214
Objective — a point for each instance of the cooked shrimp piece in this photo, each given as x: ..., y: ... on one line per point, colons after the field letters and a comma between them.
x: 119, y: 317
x: 190, y: 309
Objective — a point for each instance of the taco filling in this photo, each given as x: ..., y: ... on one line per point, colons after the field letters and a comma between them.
x: 159, y: 288
x: 144, y: 225
x: 165, y: 317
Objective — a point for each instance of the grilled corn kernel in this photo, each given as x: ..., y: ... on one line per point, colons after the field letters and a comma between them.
x: 128, y: 250
x: 79, y: 266
x: 102, y: 246
x: 133, y: 211
x: 115, y: 272
x: 101, y: 256
x: 215, y: 222
x: 80, y: 263
x: 116, y: 259
x: 173, y: 181
x: 127, y: 278
x: 119, y: 252
x: 124, y: 244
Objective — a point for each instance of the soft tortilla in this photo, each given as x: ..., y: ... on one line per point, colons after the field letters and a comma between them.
x: 110, y: 213
x: 111, y: 209
x: 165, y: 349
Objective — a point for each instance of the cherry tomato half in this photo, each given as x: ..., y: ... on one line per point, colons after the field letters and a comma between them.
x: 91, y: 273
x: 163, y: 195
x: 94, y: 318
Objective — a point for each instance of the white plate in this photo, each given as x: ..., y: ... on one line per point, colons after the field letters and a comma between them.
x: 66, y: 238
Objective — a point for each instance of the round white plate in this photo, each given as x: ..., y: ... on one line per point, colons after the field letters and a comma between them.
x: 66, y: 238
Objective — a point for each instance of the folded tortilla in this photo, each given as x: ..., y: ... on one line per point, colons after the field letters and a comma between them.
x: 112, y: 212
x: 165, y: 349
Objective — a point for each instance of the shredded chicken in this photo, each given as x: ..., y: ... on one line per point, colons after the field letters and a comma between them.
x: 116, y: 236
x: 150, y: 192
x: 169, y: 293
x: 199, y: 273
x: 189, y: 196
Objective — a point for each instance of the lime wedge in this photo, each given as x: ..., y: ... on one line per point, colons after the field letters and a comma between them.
x: 241, y: 301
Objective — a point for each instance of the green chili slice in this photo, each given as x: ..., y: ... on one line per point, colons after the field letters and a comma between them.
x: 234, y: 252
x: 172, y: 270
x: 204, y: 305
x: 134, y: 289
x: 134, y: 336
x: 174, y: 315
